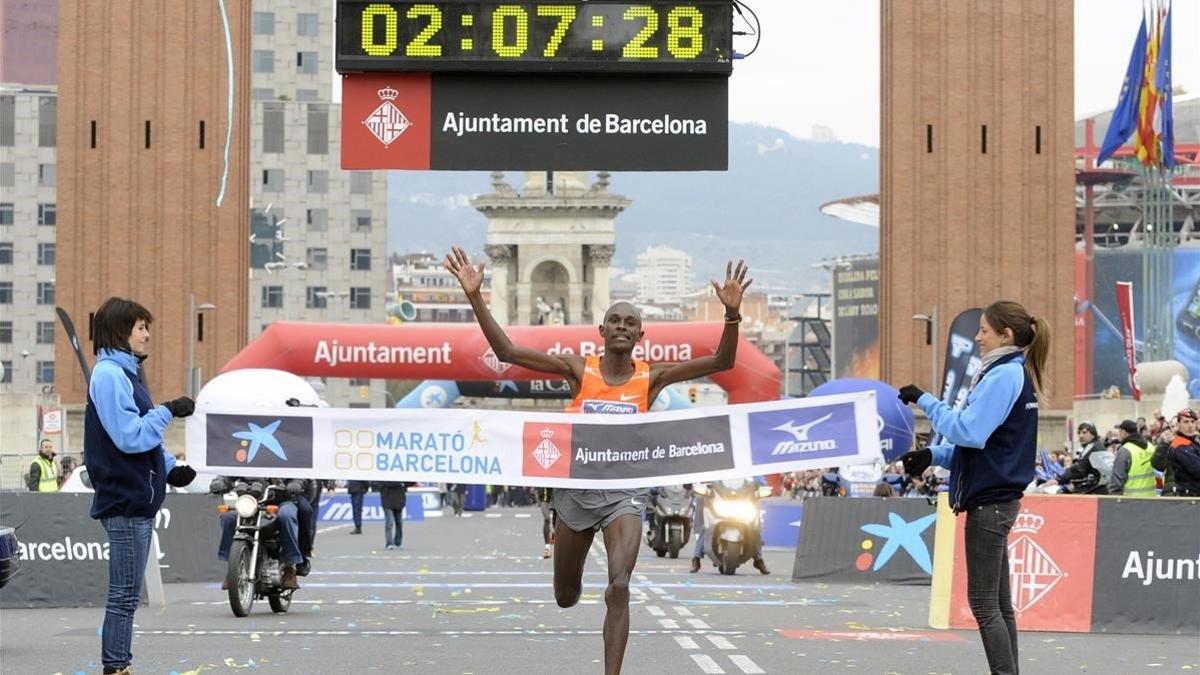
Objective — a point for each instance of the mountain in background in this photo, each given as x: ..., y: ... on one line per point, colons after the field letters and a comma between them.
x: 763, y: 209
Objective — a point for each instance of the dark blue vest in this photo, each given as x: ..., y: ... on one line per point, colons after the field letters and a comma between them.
x: 1004, y: 467
x: 126, y: 485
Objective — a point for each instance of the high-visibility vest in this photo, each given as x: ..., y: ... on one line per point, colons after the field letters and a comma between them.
x: 48, y: 481
x: 1141, y: 481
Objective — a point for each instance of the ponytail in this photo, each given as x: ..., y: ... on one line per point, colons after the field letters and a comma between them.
x: 1030, y: 333
x: 1036, y: 354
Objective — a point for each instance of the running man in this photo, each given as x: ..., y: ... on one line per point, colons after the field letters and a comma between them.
x: 613, y: 377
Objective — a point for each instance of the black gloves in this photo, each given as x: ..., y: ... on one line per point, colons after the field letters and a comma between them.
x: 182, y: 475
x: 909, y: 393
x: 181, y: 407
x: 917, y: 461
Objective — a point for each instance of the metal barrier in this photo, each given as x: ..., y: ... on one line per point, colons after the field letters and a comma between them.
x: 14, y: 468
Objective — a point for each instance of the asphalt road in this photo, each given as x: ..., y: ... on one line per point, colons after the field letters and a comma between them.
x: 473, y: 595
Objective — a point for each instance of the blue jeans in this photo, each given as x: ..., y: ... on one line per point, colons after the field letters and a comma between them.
x: 307, y: 525
x: 988, y: 592
x: 393, y: 519
x: 128, y: 550
x: 356, y: 503
x: 289, y: 534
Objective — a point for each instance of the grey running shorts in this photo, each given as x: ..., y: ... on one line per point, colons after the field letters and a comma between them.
x: 583, y: 510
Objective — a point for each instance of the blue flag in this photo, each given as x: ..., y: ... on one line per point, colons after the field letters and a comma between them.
x: 1125, y: 115
x: 1163, y: 84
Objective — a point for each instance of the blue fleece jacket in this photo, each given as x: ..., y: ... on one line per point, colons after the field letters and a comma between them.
x: 123, y: 434
x: 991, y: 443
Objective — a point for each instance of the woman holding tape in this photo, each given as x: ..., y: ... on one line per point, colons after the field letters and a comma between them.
x: 990, y: 450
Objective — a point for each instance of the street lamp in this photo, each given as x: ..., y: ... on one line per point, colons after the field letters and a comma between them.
x: 194, y: 316
x: 931, y: 329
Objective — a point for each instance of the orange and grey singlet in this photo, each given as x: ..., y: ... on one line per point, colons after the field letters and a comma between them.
x: 583, y: 510
x: 597, y: 396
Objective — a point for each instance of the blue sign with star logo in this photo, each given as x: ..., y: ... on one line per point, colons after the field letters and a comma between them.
x: 250, y: 441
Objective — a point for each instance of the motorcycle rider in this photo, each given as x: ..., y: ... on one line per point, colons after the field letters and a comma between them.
x: 1179, y: 457
x: 1089, y: 473
x: 703, y: 535
x: 288, y: 518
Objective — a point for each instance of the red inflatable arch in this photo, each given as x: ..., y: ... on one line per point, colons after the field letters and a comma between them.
x: 460, y: 352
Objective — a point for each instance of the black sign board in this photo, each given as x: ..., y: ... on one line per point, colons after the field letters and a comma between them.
x: 597, y: 36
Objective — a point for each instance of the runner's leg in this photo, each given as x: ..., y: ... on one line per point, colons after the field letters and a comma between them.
x: 621, y: 539
x: 570, y: 554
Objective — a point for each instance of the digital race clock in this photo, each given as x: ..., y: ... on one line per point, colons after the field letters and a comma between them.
x: 596, y: 36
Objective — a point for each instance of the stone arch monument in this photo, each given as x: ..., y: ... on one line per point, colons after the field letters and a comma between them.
x: 551, y: 246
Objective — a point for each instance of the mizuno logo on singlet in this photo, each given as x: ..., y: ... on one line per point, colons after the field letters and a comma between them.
x: 609, y: 407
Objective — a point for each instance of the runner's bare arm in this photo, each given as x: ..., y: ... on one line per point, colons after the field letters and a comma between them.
x: 730, y: 293
x: 470, y: 275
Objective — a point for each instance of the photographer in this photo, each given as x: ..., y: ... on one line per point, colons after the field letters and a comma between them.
x: 1089, y: 473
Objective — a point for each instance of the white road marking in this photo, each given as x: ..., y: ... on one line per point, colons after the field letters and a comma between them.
x: 657, y: 591
x: 686, y: 642
x: 492, y: 515
x: 655, y: 611
x: 326, y: 632
x: 720, y: 642
x: 699, y: 623
x: 683, y: 611
x: 641, y: 577
x: 670, y: 624
x: 746, y: 664
x: 467, y: 515
x: 707, y: 664
x: 522, y: 515
x: 331, y: 528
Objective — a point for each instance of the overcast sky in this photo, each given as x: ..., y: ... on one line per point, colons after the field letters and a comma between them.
x: 819, y: 63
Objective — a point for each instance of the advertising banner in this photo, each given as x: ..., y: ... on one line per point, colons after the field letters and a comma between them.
x: 337, y: 508
x: 866, y: 540
x: 962, y: 357
x: 1125, y: 308
x: 456, y: 352
x: 1051, y: 550
x: 856, y: 319
x: 1147, y: 567
x: 538, y: 449
x: 1109, y: 366
x: 515, y: 122
x: 64, y: 553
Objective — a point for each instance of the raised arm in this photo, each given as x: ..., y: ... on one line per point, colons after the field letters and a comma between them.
x: 470, y: 275
x: 730, y: 293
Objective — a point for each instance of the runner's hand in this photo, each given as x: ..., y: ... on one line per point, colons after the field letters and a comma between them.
x: 181, y: 476
x: 730, y: 293
x: 468, y: 274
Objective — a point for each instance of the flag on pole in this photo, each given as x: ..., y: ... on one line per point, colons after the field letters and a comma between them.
x: 1145, y: 143
x: 1124, y: 117
x: 1163, y: 84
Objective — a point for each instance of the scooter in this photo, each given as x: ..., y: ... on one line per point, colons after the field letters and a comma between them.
x: 733, y: 520
x: 671, y: 521
x: 255, y: 570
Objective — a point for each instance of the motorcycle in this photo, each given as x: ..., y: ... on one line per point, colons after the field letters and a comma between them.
x: 671, y: 521
x: 733, y: 521
x: 255, y: 570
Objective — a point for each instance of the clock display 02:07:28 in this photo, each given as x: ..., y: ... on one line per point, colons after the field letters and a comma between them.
x: 598, y: 35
